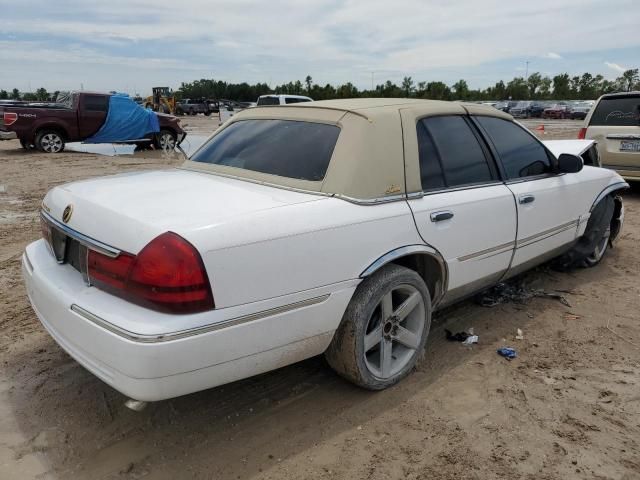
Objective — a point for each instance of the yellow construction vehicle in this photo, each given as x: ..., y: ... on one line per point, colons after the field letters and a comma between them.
x: 162, y: 100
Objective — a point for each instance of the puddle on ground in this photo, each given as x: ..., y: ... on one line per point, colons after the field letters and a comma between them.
x: 189, y: 145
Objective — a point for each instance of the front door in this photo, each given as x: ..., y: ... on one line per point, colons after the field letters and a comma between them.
x: 465, y: 212
x: 549, y: 205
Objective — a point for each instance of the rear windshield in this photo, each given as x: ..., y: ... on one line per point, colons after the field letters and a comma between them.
x: 621, y: 111
x: 295, y: 100
x: 287, y: 148
x: 268, y: 101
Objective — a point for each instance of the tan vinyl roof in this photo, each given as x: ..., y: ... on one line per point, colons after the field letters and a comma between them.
x: 368, y: 162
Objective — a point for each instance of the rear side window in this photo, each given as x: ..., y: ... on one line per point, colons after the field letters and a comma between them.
x: 521, y: 154
x: 96, y: 103
x: 268, y: 101
x: 617, y: 112
x: 450, y: 154
x: 287, y: 148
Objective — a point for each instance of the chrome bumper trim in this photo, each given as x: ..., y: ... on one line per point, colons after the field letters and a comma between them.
x: 88, y: 242
x: 8, y: 135
x: 168, y: 337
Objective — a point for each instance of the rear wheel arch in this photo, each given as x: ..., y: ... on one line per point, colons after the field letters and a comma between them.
x: 422, y: 259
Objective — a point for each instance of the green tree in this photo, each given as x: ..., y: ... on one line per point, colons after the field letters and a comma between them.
x: 4, y: 95
x: 42, y: 95
x: 461, y: 89
x: 545, y: 88
x: 15, y: 94
x: 407, y: 86
x: 629, y: 79
x: 561, y: 87
x: 533, y: 83
x: 517, y: 88
x: 309, y: 82
x: 437, y: 91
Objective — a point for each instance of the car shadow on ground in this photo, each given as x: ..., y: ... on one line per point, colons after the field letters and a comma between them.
x: 289, y: 410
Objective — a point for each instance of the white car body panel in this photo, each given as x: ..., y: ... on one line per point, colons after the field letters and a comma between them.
x: 574, y: 147
x: 283, y: 264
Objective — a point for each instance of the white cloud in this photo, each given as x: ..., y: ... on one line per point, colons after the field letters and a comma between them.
x: 616, y: 67
x: 553, y: 56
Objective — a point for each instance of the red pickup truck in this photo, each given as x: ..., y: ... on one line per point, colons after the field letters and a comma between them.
x: 48, y: 126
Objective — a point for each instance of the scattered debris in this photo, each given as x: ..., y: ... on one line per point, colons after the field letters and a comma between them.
x: 470, y: 340
x: 571, y: 316
x: 507, y: 352
x: 515, y: 293
x: 458, y: 337
x: 519, y: 335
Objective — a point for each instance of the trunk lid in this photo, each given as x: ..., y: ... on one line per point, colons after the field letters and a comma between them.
x: 127, y: 211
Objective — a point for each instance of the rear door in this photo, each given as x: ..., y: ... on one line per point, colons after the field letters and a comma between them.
x: 615, y: 125
x: 464, y: 210
x: 92, y: 113
x: 549, y: 205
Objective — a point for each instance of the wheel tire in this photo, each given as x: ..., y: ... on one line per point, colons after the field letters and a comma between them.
x: 592, y: 246
x: 27, y: 145
x: 371, y: 331
x: 165, y: 140
x: 192, y: 112
x: 207, y: 113
x: 179, y: 112
x: 49, y: 141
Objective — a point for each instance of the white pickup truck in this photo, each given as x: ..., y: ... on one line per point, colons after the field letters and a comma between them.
x: 333, y: 227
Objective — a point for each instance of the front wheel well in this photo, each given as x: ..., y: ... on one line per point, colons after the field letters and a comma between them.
x: 54, y: 128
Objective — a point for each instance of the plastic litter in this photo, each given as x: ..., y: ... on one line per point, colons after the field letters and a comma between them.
x: 519, y: 335
x: 471, y: 339
x: 507, y: 352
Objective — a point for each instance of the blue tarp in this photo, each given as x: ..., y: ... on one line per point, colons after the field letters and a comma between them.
x: 126, y: 120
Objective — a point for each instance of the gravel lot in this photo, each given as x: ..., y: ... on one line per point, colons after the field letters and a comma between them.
x: 567, y: 407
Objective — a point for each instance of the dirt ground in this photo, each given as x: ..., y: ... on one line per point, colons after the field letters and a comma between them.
x: 567, y: 407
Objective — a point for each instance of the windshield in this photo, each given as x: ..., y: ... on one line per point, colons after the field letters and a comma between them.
x: 287, y: 148
x: 268, y: 101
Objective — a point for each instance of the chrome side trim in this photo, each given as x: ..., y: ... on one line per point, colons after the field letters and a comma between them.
x: 441, y: 286
x: 168, y: 337
x: 505, y: 247
x: 609, y: 189
x: 85, y: 240
x: 623, y: 136
x: 546, y: 234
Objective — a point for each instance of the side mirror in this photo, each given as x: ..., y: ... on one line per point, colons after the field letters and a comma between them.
x: 568, y: 163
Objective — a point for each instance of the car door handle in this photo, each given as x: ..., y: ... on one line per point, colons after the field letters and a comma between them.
x: 440, y: 216
x: 526, y: 199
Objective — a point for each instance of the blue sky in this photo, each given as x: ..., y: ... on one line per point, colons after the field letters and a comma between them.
x: 132, y: 45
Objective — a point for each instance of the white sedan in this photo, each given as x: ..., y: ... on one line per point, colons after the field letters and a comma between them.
x: 332, y: 227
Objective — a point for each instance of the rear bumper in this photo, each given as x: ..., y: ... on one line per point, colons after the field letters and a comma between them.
x: 155, y: 366
x: 628, y: 173
x: 4, y: 135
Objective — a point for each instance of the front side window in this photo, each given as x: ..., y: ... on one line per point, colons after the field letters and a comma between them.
x: 295, y: 100
x: 287, y: 148
x: 450, y: 154
x: 617, y: 112
x: 521, y: 154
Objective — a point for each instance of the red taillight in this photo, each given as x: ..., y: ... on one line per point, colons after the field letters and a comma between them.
x: 167, y: 275
x: 9, y: 118
x: 582, y: 133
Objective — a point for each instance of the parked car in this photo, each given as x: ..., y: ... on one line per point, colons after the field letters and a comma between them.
x: 281, y: 99
x: 579, y: 111
x: 333, y: 227
x: 505, y: 106
x: 557, y: 110
x: 49, y: 126
x: 536, y: 109
x: 190, y: 106
x: 586, y: 149
x: 520, y: 110
x: 614, y: 122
